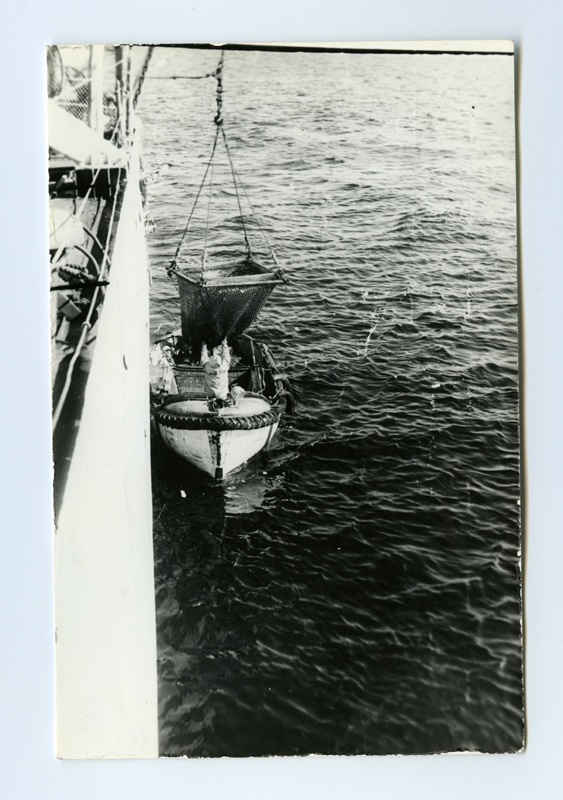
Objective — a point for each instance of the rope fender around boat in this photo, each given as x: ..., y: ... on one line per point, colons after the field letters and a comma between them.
x: 214, y: 422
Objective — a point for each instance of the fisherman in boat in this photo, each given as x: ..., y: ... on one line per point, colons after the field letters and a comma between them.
x: 216, y: 373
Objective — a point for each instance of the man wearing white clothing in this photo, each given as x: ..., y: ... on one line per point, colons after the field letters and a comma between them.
x: 216, y: 371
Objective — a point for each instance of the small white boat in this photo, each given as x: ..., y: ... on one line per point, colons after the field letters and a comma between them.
x: 217, y: 440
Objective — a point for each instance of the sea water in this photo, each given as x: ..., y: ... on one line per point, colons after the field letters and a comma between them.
x: 355, y: 589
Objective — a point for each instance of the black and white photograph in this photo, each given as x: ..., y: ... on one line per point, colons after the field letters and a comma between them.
x: 284, y: 292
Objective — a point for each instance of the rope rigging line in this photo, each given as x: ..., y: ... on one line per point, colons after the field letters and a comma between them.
x: 256, y: 219
x: 143, y: 74
x: 218, y: 120
x: 86, y: 325
x: 172, y: 266
x: 237, y: 182
x: 204, y: 254
x: 233, y: 172
x: 182, y: 77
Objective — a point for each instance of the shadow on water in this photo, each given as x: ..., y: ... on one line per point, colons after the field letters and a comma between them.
x: 206, y: 610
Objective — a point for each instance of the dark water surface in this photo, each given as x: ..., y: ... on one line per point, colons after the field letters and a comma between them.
x: 356, y: 588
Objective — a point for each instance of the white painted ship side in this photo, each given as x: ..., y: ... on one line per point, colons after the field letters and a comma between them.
x: 105, y: 607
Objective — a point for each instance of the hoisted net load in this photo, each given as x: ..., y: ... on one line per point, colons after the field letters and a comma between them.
x: 222, y: 302
x: 222, y: 297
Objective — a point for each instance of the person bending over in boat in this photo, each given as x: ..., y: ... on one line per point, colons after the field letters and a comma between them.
x: 216, y: 373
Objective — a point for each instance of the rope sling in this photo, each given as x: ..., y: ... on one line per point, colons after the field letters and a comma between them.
x: 219, y: 301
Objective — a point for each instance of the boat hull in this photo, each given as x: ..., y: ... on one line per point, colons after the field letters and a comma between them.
x: 217, y: 442
x: 217, y: 453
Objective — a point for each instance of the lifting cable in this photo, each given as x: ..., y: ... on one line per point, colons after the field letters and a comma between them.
x: 233, y: 173
x: 219, y: 128
x: 172, y: 266
x: 256, y: 219
x: 204, y: 254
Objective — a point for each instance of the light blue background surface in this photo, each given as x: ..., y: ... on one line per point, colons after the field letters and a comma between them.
x: 28, y: 768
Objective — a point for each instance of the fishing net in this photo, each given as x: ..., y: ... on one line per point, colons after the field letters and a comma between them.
x: 222, y: 302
